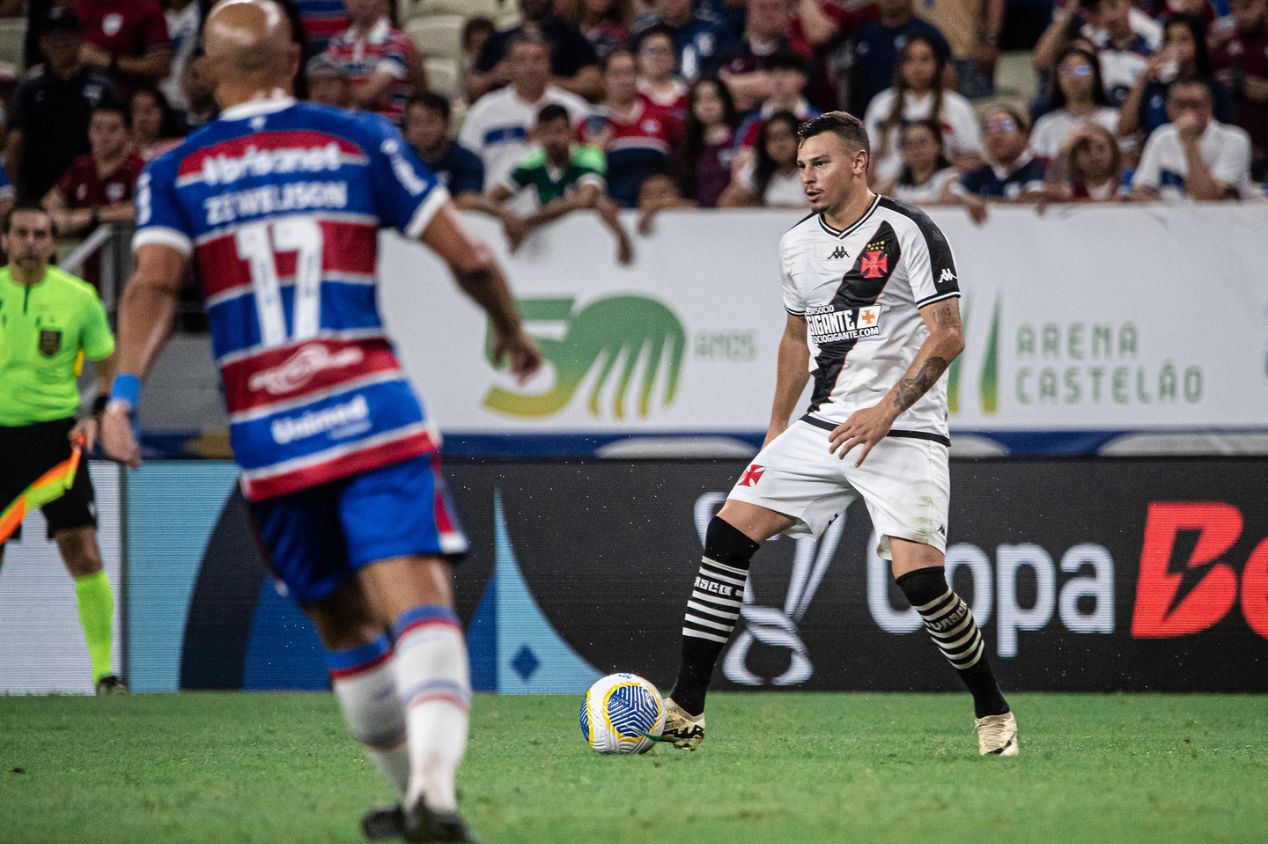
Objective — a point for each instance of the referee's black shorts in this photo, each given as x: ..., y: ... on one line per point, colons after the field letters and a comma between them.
x: 26, y: 453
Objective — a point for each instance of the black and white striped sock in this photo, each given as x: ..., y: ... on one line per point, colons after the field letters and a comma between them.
x: 712, y: 610
x: 951, y: 625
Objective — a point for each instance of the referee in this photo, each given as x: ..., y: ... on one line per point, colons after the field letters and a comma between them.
x: 49, y: 322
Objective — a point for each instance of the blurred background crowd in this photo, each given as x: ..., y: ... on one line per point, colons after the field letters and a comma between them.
x: 530, y: 109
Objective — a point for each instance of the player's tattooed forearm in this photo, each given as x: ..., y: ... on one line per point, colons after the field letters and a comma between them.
x: 911, y: 389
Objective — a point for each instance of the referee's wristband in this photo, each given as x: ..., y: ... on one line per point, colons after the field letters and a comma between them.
x: 127, y: 389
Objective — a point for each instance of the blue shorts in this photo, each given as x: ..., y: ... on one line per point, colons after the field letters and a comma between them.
x: 317, y: 538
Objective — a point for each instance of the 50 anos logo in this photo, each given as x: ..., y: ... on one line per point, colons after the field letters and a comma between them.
x: 625, y: 351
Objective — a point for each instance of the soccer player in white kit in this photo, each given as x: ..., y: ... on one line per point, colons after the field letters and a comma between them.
x: 871, y: 292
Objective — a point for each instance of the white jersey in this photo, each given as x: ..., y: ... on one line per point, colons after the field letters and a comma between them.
x: 860, y: 291
x: 499, y: 126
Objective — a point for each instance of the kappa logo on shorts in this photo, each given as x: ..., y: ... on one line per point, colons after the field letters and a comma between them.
x: 752, y: 475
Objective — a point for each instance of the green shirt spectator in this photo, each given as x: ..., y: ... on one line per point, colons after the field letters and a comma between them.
x: 585, y: 165
x: 567, y: 177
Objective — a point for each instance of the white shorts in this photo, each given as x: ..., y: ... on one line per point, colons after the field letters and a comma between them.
x: 905, y: 483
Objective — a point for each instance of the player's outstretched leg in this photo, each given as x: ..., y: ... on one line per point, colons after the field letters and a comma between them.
x: 951, y: 625
x: 712, y: 611
x: 433, y: 680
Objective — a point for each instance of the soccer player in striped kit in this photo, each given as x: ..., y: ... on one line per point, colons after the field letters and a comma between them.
x: 871, y: 292
x: 279, y: 204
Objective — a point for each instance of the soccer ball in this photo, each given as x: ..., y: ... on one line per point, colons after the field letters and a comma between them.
x: 622, y: 713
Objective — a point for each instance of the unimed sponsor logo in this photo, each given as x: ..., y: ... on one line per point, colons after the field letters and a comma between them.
x: 1186, y: 596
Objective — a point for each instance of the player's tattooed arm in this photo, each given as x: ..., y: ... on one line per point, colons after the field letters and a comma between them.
x: 911, y: 389
x: 945, y: 341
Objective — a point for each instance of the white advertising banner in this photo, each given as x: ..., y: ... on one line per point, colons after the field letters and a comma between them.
x: 42, y: 648
x: 1084, y: 318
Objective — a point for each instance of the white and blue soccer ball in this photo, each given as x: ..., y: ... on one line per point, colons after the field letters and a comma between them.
x: 622, y: 713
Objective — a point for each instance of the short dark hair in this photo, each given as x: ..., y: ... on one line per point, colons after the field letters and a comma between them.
x: 655, y: 29
x: 1191, y: 81
x: 525, y: 38
x: 27, y: 206
x: 553, y: 111
x: 842, y: 124
x: 431, y: 101
x: 113, y: 106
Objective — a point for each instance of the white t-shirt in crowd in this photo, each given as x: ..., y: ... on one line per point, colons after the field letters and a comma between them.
x: 1225, y: 150
x: 960, y: 133
x: 1053, y: 128
x: 783, y: 191
x: 498, y: 127
x: 931, y: 191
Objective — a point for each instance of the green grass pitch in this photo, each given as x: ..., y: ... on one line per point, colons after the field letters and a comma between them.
x: 775, y: 767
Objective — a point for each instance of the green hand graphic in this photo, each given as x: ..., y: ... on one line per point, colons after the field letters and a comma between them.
x: 623, y: 329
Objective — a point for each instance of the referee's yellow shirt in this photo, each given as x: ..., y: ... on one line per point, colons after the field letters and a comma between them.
x: 46, y: 330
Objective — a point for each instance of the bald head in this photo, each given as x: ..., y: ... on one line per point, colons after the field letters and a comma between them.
x: 248, y: 43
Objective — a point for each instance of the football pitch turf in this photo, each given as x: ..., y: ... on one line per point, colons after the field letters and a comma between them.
x: 792, y: 767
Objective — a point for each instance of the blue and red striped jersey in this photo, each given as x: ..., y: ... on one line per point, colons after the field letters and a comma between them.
x: 280, y: 203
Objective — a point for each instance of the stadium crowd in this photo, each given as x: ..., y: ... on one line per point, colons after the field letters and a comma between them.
x: 543, y: 107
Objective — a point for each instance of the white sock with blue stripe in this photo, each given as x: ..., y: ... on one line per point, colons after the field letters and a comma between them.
x: 434, y: 682
x: 364, y: 681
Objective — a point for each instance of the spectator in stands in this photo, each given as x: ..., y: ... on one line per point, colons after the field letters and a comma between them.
x: 378, y: 60
x: 573, y: 64
x: 787, y: 72
x: 926, y: 175
x: 155, y: 128
x: 876, y: 46
x: 657, y: 71
x: 1165, y: 10
x: 476, y: 31
x: 427, y: 130
x: 972, y: 28
x: 565, y: 177
x: 1013, y: 174
x: 328, y: 82
x: 1194, y: 155
x: 322, y: 22
x: 498, y: 126
x: 743, y: 67
x: 49, y: 114
x: 1241, y: 57
x: 184, y: 20
x: 127, y: 39
x: 1088, y: 167
x: 1077, y: 97
x: 1184, y: 53
x: 604, y: 23
x: 637, y: 136
x: 97, y: 188
x: 1123, y: 41
x: 709, y: 149
x: 827, y: 28
x: 658, y: 193
x: 698, y: 38
x: 200, y: 101
x: 772, y: 179
x: 918, y: 95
